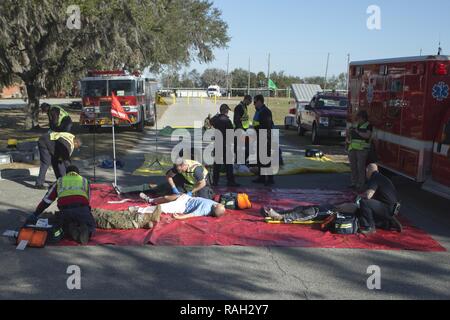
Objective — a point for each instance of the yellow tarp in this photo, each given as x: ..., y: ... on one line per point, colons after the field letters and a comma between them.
x: 150, y: 168
x: 293, y: 165
x: 167, y: 131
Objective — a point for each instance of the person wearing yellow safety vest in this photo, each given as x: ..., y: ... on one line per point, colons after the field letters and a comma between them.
x: 241, y: 117
x: 359, y: 141
x: 73, y: 195
x: 241, y: 121
x: 55, y: 149
x: 58, y: 118
x: 190, y: 177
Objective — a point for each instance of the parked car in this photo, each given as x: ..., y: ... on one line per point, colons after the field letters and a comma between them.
x: 214, y: 91
x: 290, y: 120
x: 325, y: 116
x: 76, y: 105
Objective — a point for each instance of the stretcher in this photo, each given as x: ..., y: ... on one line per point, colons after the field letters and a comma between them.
x: 307, y: 222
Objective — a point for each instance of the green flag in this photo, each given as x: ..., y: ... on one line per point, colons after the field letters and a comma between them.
x: 272, y: 85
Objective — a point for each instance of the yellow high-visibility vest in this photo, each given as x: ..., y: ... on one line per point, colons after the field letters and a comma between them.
x: 66, y: 136
x: 62, y: 114
x: 245, y: 119
x: 71, y: 185
x: 189, y: 174
x: 360, y: 144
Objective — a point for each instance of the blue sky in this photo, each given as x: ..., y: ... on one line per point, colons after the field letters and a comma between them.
x: 299, y: 33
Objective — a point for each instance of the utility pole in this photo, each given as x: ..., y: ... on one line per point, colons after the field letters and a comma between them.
x: 348, y: 70
x: 249, y: 76
x: 326, y: 72
x: 268, y: 78
x: 228, y: 76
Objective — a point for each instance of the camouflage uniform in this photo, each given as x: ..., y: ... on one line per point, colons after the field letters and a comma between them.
x: 124, y: 220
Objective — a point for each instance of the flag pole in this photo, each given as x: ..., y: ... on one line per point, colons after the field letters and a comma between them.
x: 268, y: 78
x: 95, y: 146
x: 114, y: 152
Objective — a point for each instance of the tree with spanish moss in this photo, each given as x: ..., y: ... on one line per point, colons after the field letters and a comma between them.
x: 39, y: 49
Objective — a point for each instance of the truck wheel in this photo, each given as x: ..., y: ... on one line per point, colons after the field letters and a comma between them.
x: 300, y: 130
x: 315, y: 135
x: 140, y: 127
x: 151, y: 123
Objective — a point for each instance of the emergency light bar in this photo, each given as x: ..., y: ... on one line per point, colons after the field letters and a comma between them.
x: 97, y: 73
x: 441, y: 69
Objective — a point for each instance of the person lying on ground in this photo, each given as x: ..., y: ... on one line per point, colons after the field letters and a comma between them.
x: 125, y: 220
x: 308, y: 213
x: 182, y: 206
x: 312, y: 212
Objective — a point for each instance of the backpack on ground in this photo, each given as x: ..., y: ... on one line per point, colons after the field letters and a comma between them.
x: 235, y: 201
x: 345, y: 224
x: 39, y: 235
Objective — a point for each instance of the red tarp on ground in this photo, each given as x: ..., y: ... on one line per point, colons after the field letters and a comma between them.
x: 247, y: 228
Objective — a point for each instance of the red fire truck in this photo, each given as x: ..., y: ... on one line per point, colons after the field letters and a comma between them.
x: 136, y: 94
x: 408, y: 101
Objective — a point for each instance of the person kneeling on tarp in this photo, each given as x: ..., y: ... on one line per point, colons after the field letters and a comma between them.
x: 379, y: 206
x: 186, y: 176
x: 183, y: 207
x: 73, y: 194
x: 190, y: 177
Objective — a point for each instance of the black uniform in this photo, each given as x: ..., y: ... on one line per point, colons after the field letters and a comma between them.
x: 53, y: 118
x: 380, y: 208
x: 222, y: 123
x: 265, y: 120
x: 55, y: 153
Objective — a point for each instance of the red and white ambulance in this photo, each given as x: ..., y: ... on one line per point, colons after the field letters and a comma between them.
x: 136, y: 94
x: 408, y: 101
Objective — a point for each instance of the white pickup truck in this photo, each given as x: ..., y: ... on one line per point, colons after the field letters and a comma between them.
x: 214, y: 91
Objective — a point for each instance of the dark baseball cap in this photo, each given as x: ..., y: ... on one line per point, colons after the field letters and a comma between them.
x: 224, y: 108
